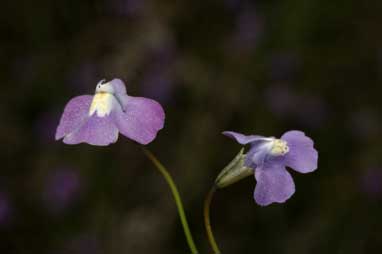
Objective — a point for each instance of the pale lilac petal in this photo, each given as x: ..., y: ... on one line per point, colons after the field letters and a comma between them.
x: 242, y: 139
x: 119, y: 86
x: 274, y: 184
x: 140, y: 119
x: 74, y: 116
x: 98, y: 131
x: 302, y: 156
x: 257, y: 154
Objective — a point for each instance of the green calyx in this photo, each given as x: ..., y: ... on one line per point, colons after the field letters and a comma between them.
x: 234, y: 171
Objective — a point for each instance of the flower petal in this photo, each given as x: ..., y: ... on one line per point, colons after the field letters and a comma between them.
x: 274, y: 184
x: 119, y: 86
x: 302, y: 156
x: 242, y: 139
x: 98, y: 131
x: 75, y: 114
x: 141, y: 119
x: 258, y: 153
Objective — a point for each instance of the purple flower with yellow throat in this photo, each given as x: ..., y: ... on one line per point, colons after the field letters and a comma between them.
x: 268, y: 159
x: 98, y: 119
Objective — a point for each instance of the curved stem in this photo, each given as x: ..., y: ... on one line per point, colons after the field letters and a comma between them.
x: 177, y: 198
x: 207, y: 223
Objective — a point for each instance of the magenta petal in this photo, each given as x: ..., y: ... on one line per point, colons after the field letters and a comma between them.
x: 302, y: 156
x: 98, y: 131
x: 274, y: 184
x: 75, y: 114
x: 242, y: 139
x: 141, y: 119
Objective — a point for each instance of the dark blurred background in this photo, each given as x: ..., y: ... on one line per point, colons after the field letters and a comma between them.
x: 261, y: 67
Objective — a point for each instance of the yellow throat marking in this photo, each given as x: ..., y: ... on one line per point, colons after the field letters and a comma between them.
x: 102, y: 104
x: 279, y: 147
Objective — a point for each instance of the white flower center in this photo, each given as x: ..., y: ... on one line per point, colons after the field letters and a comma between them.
x: 102, y: 104
x: 279, y: 147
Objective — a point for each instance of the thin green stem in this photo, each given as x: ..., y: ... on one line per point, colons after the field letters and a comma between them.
x: 207, y: 222
x: 177, y: 198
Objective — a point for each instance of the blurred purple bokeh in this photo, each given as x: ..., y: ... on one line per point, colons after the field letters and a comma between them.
x: 61, y: 190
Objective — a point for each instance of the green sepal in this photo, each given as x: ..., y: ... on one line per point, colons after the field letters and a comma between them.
x: 234, y: 171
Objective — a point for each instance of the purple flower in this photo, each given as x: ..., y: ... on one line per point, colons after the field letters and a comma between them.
x: 268, y: 157
x: 98, y: 119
